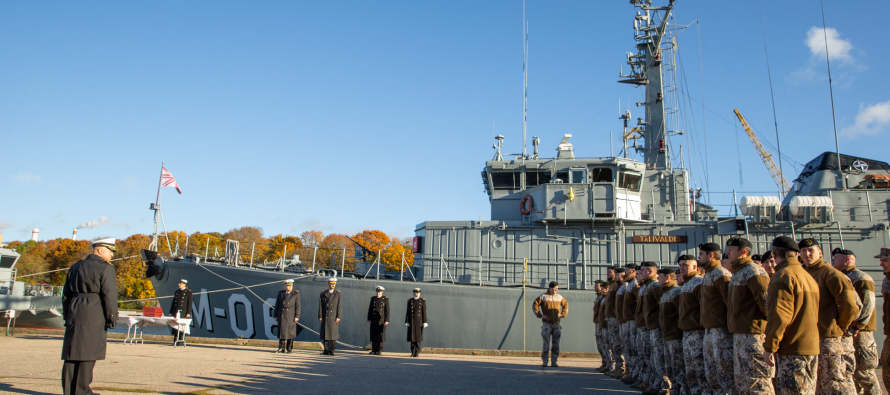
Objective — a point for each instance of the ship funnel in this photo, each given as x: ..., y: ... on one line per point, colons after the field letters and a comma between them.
x: 564, y: 150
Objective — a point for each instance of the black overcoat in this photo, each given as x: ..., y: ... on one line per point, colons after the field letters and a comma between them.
x: 328, y: 312
x: 415, y: 317
x: 182, y: 300
x: 378, y: 314
x: 287, y: 308
x: 89, y: 307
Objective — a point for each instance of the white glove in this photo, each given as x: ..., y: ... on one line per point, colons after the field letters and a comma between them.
x: 406, y: 324
x: 425, y: 325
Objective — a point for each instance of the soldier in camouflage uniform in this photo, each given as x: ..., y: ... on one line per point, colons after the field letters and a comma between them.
x: 654, y: 380
x: 668, y: 316
x: 717, y: 351
x: 628, y: 296
x: 690, y: 323
x: 599, y: 319
x: 884, y: 256
x: 863, y: 328
x: 617, y: 367
x: 746, y: 320
x: 838, y: 307
x: 643, y: 366
x: 792, y: 338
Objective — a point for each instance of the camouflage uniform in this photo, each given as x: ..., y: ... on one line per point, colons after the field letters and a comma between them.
x: 718, y: 360
x: 642, y: 367
x: 694, y: 362
x: 658, y: 379
x: 866, y: 362
x: 673, y: 366
x: 795, y: 374
x: 836, y: 366
x: 753, y: 375
x: 617, y: 360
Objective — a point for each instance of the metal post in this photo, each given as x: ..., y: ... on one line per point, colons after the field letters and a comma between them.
x: 378, y: 264
x: 283, y: 257
x: 868, y: 202
x: 441, y: 262
x: 187, y: 244
x: 480, y: 268
x: 252, y: 245
x: 343, y: 262
x: 207, y: 248
x: 314, y: 251
x: 524, y: 306
x: 402, y: 269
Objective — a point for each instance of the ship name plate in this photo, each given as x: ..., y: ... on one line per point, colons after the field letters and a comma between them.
x: 659, y: 239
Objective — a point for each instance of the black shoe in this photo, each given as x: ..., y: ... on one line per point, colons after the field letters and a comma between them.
x: 544, y: 364
x: 554, y: 364
x: 289, y: 351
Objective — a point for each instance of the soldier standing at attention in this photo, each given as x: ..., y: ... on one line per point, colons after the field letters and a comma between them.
x: 627, y: 335
x: 690, y: 323
x: 329, y: 315
x: 287, y: 313
x: 792, y: 338
x: 746, y: 320
x: 838, y: 307
x: 863, y: 328
x: 668, y: 316
x: 643, y: 368
x: 601, y: 287
x: 551, y: 307
x: 181, y: 306
x: 617, y: 367
x: 717, y: 343
x: 378, y: 318
x: 656, y: 343
x: 415, y: 320
x: 89, y: 308
x: 884, y: 256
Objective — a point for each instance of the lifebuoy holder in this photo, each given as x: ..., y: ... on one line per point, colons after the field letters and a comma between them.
x: 522, y: 205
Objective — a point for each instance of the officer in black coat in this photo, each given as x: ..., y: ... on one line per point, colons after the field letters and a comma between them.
x: 415, y: 320
x: 378, y: 318
x: 329, y: 316
x: 182, y: 304
x: 89, y: 307
x: 287, y: 313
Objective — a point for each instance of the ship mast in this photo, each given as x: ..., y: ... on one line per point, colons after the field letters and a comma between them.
x: 650, y: 25
x: 156, y: 207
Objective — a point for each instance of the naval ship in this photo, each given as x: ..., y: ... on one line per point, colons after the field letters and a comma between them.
x: 562, y: 218
x: 21, y: 305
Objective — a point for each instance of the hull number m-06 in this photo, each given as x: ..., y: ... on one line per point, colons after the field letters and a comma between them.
x: 659, y: 239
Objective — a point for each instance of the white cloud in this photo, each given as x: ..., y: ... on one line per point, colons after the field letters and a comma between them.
x: 4, y: 225
x: 838, y: 48
x: 93, y: 223
x: 25, y: 177
x: 871, y: 120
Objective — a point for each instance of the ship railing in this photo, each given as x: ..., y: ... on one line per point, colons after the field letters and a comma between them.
x: 43, y: 290
x: 510, y: 272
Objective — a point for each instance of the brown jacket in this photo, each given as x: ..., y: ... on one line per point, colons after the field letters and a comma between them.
x: 746, y: 310
x: 689, y: 304
x: 630, y: 300
x: 610, y: 299
x: 669, y: 312
x: 640, y: 314
x: 650, y: 304
x: 793, y: 316
x: 551, y: 308
x: 865, y: 288
x: 714, y: 295
x: 838, y: 305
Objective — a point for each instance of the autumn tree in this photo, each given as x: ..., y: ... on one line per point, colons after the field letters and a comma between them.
x: 61, y: 254
x: 247, y: 236
x: 32, y: 260
x: 131, y: 281
x: 390, y: 249
x: 278, y: 244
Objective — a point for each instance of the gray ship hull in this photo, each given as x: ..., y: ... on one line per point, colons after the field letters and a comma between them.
x: 460, y: 316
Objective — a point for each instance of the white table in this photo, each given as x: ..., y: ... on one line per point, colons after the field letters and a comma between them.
x: 135, y: 323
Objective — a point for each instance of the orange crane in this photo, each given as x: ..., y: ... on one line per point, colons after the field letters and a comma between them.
x: 765, y: 156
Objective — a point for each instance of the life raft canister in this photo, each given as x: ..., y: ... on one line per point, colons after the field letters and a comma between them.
x: 522, y: 205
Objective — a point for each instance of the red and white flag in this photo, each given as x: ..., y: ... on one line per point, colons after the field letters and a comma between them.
x: 167, y: 180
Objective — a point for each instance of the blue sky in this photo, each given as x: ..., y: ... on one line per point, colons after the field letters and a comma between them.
x: 347, y: 115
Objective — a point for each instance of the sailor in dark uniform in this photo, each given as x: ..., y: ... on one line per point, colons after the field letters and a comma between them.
x: 329, y: 316
x: 181, y: 306
x: 287, y: 313
x: 378, y: 318
x: 415, y: 320
x: 89, y: 302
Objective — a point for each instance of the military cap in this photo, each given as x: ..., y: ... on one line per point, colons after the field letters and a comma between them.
x: 619, y: 270
x: 416, y: 289
x: 332, y: 279
x: 553, y: 284
x: 756, y: 257
x: 885, y: 253
x: 107, y: 243
x: 842, y: 251
x: 184, y: 281
x: 786, y: 243
x: 648, y: 264
x: 739, y: 242
x: 685, y: 257
x: 380, y: 288
x: 667, y: 270
x: 709, y: 247
x: 808, y: 242
x: 766, y: 255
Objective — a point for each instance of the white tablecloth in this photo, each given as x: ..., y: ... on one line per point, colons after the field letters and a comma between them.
x: 182, y: 324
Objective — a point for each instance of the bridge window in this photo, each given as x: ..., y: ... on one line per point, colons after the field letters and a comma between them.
x: 601, y: 174
x: 630, y: 181
x: 533, y: 178
x: 579, y: 176
x: 505, y: 180
x: 562, y: 176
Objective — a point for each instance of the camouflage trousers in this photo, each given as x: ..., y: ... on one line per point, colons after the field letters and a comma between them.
x: 837, y: 363
x: 630, y: 348
x: 658, y: 379
x: 752, y: 374
x: 717, y: 352
x: 694, y: 362
x: 795, y: 374
x: 601, y: 345
x: 885, y: 362
x: 642, y: 343
x: 673, y: 366
x: 615, y: 344
x: 550, y: 334
x: 866, y: 361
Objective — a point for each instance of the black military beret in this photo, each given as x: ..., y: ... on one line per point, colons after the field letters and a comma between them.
x: 686, y: 257
x: 553, y: 284
x: 648, y: 264
x: 739, y: 242
x: 667, y: 270
x: 619, y: 270
x: 766, y: 255
x: 756, y: 257
x: 786, y: 243
x: 630, y: 266
x: 842, y: 251
x: 808, y: 242
x: 709, y: 247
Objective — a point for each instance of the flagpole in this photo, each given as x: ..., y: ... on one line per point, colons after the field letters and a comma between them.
x: 157, y: 208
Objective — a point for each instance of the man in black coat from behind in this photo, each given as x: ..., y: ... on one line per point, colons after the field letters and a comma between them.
x: 329, y: 315
x: 378, y: 318
x: 287, y: 313
x: 89, y: 307
x: 415, y: 320
x: 182, y: 305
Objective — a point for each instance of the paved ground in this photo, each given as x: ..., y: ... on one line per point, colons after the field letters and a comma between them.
x: 31, y: 365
